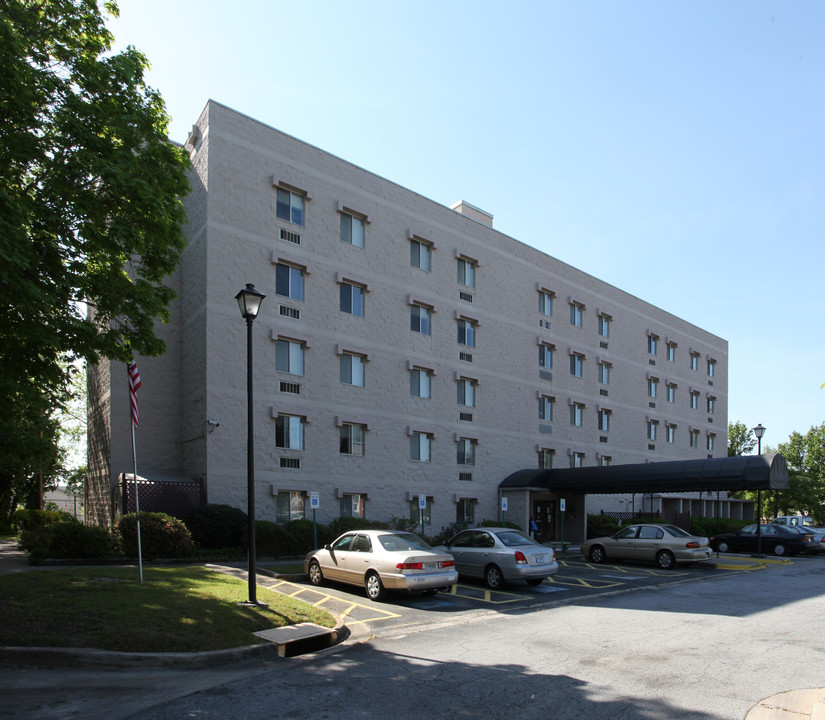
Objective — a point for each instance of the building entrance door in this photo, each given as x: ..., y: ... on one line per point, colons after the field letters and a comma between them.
x: 544, y: 513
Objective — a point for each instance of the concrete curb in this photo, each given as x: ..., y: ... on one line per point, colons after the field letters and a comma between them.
x: 87, y: 657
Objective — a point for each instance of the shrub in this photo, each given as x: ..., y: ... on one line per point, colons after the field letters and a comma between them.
x: 219, y: 526
x: 271, y: 539
x: 67, y: 539
x: 26, y: 519
x: 301, y: 536
x: 161, y: 536
x: 601, y: 525
x: 344, y: 524
x: 446, y: 533
x: 710, y: 526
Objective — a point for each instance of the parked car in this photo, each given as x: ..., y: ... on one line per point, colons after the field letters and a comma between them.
x: 666, y: 545
x: 382, y: 560
x: 776, y: 539
x: 805, y: 521
x: 499, y: 555
x: 818, y: 544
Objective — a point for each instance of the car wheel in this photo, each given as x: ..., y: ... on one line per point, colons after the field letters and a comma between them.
x: 779, y: 549
x: 723, y: 546
x: 597, y: 554
x: 535, y: 581
x: 374, y: 587
x: 666, y: 560
x: 316, y: 577
x: 493, y: 577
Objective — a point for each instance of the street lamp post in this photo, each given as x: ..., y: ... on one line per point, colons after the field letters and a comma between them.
x: 759, y: 431
x: 249, y: 302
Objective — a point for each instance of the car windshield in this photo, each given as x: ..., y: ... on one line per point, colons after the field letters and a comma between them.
x: 402, y: 542
x: 676, y: 531
x: 511, y: 538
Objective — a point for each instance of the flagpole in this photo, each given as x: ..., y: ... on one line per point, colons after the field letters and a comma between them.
x: 137, y: 503
x: 133, y: 410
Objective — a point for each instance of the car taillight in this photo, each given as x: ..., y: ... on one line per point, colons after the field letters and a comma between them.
x: 693, y: 544
x: 410, y: 566
x: 520, y: 559
x: 446, y: 563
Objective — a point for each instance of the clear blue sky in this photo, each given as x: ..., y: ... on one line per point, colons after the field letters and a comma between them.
x: 673, y: 149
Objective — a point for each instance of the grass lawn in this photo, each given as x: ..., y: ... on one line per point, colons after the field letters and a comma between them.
x: 176, y: 609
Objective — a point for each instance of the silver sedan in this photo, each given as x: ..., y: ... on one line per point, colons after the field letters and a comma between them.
x: 381, y: 560
x: 498, y: 555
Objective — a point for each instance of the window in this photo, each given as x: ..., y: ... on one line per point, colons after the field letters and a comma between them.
x: 604, y: 373
x: 352, y: 369
x: 576, y: 314
x: 289, y: 206
x: 694, y: 400
x: 711, y: 368
x: 546, y: 408
x: 466, y: 392
x: 711, y: 441
x: 652, y: 429
x: 576, y: 460
x: 289, y: 357
x: 694, y: 361
x: 352, y: 439
x: 605, y: 460
x: 604, y: 326
x: 420, y: 319
x: 576, y: 414
x: 652, y: 387
x: 420, y: 255
x: 545, y: 303
x: 352, y: 299
x: 466, y: 332
x: 670, y: 434
x: 352, y: 230
x: 420, y: 447
x: 694, y: 438
x: 604, y: 420
x: 289, y: 281
x: 465, y: 451
x: 420, y: 382
x: 415, y: 512
x: 670, y: 393
x: 466, y: 273
x: 289, y: 505
x: 711, y: 404
x: 465, y: 511
x: 289, y: 432
x: 576, y: 365
x: 353, y: 505
x: 670, y: 351
x: 546, y: 458
x: 546, y: 357
x: 652, y: 343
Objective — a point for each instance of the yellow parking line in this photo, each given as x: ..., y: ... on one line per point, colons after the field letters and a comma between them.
x: 488, y: 595
x: 581, y: 582
x: 326, y: 599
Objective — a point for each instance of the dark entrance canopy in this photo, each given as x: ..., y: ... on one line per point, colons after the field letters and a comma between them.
x: 746, y: 472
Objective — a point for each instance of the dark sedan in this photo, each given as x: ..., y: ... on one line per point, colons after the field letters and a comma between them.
x: 776, y: 539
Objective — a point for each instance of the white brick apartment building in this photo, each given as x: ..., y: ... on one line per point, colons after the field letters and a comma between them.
x: 403, y: 348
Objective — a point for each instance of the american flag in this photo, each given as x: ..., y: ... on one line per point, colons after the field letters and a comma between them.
x: 134, y: 384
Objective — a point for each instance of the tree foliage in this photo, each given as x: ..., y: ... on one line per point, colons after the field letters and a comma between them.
x: 805, y: 456
x: 740, y: 439
x: 90, y: 217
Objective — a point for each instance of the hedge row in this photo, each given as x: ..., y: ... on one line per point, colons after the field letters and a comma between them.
x: 212, y: 531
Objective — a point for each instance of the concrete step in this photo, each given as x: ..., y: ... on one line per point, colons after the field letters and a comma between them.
x: 300, y: 639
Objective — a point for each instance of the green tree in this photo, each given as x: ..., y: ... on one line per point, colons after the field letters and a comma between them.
x: 740, y: 439
x: 90, y: 218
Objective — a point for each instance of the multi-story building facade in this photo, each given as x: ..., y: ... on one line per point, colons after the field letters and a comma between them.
x: 404, y: 348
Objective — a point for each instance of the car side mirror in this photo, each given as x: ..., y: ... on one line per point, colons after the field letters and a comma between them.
x: 327, y: 547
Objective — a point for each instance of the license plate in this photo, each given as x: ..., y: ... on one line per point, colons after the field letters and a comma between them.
x: 537, y: 559
x: 429, y: 567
